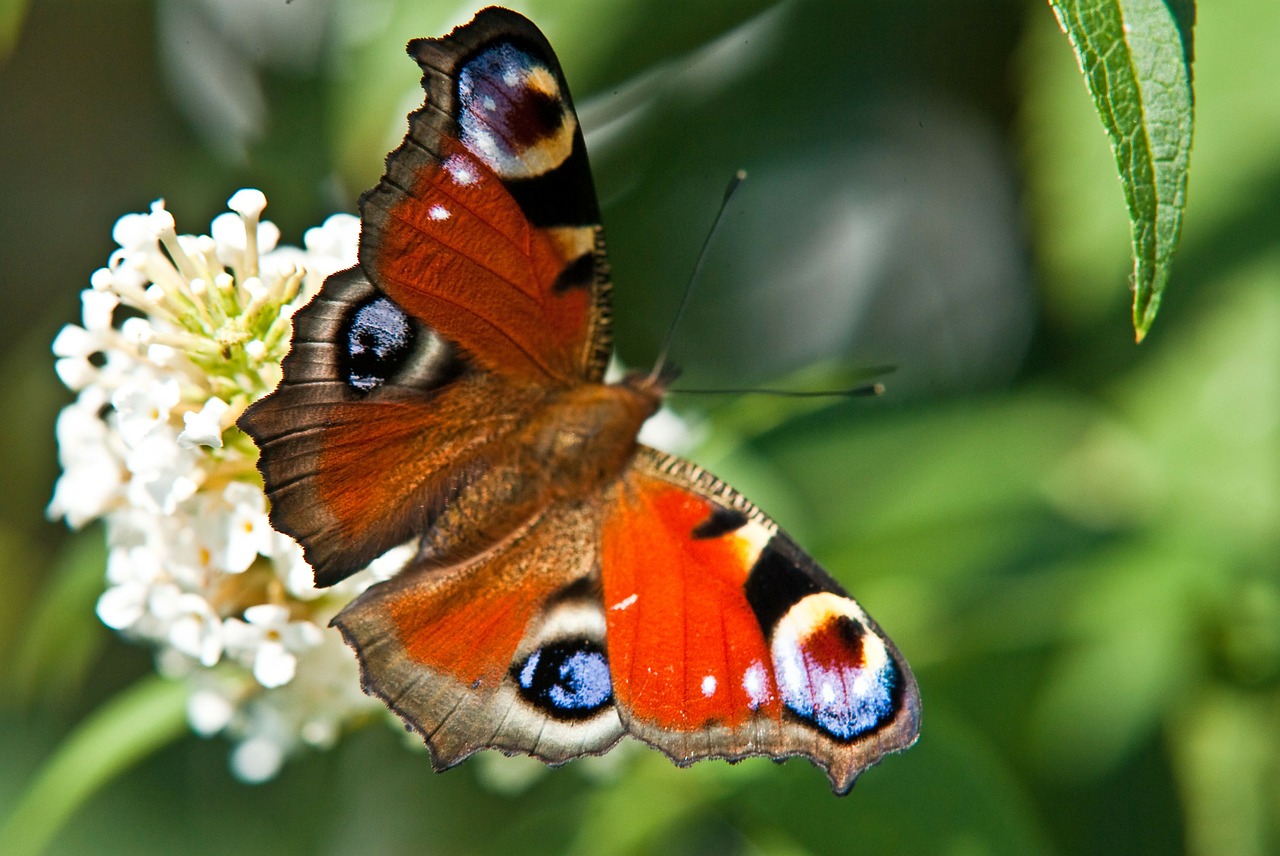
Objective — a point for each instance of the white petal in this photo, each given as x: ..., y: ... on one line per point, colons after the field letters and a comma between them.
x: 393, y: 561
x: 268, y: 236
x: 134, y: 232
x: 227, y: 230
x: 162, y: 355
x: 332, y: 246
x: 120, y: 607
x: 239, y: 636
x: 142, y: 406
x: 669, y: 432
x: 138, y: 564
x: 301, y: 635
x: 186, y: 634
x: 247, y: 202
x: 205, y: 427
x: 97, y: 309
x: 257, y: 760
x: 267, y: 615
x: 75, y: 372
x: 74, y: 341
x: 160, y: 220
x: 208, y: 712
x: 274, y: 666
x: 196, y: 631
x: 164, y: 601
x: 138, y: 331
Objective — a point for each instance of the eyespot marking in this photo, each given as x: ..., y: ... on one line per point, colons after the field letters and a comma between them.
x: 831, y: 671
x: 378, y: 344
x: 512, y: 113
x: 379, y: 340
x: 568, y: 679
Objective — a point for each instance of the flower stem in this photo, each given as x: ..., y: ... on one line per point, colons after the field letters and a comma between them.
x: 129, y: 727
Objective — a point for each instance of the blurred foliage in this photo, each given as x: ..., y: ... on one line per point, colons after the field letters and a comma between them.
x: 1074, y: 540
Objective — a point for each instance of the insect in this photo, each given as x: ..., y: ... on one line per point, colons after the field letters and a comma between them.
x: 569, y: 586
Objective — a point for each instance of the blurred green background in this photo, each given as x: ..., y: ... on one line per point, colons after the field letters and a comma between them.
x: 1075, y: 540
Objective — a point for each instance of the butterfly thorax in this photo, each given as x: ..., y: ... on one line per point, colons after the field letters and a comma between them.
x: 587, y: 434
x: 571, y: 443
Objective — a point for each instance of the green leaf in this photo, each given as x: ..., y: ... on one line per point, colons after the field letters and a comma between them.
x: 125, y: 730
x: 1136, y: 58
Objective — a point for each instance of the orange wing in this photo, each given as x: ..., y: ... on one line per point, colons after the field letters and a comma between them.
x: 375, y: 428
x: 726, y: 640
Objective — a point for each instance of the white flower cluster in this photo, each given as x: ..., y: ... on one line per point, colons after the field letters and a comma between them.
x: 180, y: 333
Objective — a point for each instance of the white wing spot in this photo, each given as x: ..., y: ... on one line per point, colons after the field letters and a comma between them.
x: 625, y: 602
x: 709, y: 686
x: 438, y: 212
x: 753, y: 681
x: 827, y: 693
x: 461, y: 170
x: 489, y: 104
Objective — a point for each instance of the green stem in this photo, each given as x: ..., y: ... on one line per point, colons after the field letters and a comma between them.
x: 131, y: 726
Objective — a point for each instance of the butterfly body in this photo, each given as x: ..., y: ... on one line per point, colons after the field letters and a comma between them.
x: 569, y: 585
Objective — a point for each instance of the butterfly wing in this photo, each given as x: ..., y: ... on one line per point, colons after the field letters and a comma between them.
x: 482, y: 282
x: 486, y: 222
x: 726, y: 640
x: 505, y: 650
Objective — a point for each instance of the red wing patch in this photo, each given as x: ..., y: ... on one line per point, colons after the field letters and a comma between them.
x: 466, y: 629
x: 685, y: 648
x: 458, y: 253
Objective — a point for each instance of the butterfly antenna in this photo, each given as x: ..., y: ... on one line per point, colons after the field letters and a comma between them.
x: 738, y: 177
x: 866, y: 390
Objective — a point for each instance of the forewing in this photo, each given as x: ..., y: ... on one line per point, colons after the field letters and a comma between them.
x: 486, y: 224
x: 377, y: 425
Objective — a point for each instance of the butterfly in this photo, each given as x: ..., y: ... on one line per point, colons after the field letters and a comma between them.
x: 568, y: 585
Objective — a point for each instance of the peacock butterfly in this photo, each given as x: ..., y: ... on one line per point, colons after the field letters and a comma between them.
x: 569, y: 585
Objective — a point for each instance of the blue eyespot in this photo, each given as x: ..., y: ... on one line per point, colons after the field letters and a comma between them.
x: 826, y: 678
x: 378, y: 342
x: 567, y: 679
x: 511, y: 105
